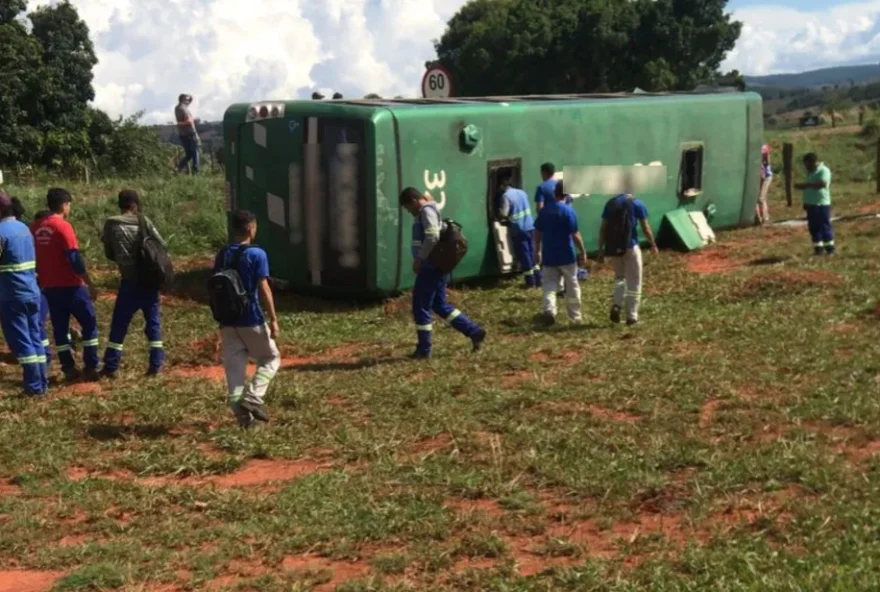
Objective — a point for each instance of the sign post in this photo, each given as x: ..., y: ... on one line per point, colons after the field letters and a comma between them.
x: 436, y: 83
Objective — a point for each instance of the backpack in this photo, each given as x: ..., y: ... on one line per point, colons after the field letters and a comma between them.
x: 227, y: 296
x: 620, y: 226
x: 450, y: 249
x: 154, y: 268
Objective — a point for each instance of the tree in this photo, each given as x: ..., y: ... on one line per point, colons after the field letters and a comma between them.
x: 834, y: 106
x: 372, y: 96
x: 497, y: 47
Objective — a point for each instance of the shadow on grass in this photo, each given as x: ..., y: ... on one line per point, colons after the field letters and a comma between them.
x: 109, y: 432
x: 343, y: 366
x: 773, y: 260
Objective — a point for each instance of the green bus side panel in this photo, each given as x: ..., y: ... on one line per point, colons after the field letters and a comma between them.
x: 588, y: 133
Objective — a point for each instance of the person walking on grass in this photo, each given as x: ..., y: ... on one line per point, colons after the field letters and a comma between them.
x: 817, y: 203
x: 186, y: 131
x: 556, y: 236
x: 243, y: 268
x: 429, y: 292
x: 20, y: 299
x: 62, y: 274
x: 121, y: 238
x: 619, y: 239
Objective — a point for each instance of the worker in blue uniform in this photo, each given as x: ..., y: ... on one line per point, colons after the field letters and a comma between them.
x: 514, y: 210
x: 429, y: 292
x: 20, y: 299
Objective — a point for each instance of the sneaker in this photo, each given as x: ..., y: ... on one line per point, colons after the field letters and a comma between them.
x: 419, y: 355
x: 108, y: 374
x: 478, y: 338
x: 631, y: 322
x: 91, y: 375
x: 615, y: 314
x: 153, y: 372
x: 818, y: 251
x: 548, y: 319
x: 257, y: 411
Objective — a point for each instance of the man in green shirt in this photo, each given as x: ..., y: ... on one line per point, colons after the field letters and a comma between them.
x: 817, y: 203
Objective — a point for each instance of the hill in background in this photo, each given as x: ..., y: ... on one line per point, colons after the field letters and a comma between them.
x: 839, y: 75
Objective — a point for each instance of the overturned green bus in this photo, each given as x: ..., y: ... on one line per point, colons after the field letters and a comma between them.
x: 323, y: 177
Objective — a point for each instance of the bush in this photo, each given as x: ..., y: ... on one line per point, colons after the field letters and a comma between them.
x: 871, y: 129
x: 131, y: 149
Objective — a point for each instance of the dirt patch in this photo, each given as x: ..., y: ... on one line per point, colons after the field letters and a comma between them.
x: 212, y: 373
x: 707, y: 413
x: 208, y: 348
x: 786, y: 283
x: 339, y: 571
x: 79, y: 388
x: 9, y: 489
x: 540, y: 357
x: 433, y: 444
x: 516, y: 379
x: 567, y: 357
x: 595, y: 410
x: 481, y: 505
x: 73, y: 540
x: 718, y: 259
x: 256, y: 473
x: 28, y: 581
x: 237, y: 572
x: 870, y: 208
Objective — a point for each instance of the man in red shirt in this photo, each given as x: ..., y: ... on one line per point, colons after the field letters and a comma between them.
x: 64, y: 280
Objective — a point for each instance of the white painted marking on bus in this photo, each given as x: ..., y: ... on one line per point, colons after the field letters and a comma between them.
x: 249, y: 173
x: 260, y: 135
x: 313, y: 197
x: 294, y: 203
x: 275, y: 209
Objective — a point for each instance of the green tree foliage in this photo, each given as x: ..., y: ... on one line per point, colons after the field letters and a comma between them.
x: 46, y: 81
x: 578, y: 46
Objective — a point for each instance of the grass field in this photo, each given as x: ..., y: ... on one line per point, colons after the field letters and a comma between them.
x: 727, y: 444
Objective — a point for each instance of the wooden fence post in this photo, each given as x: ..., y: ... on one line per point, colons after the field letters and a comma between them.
x: 787, y: 154
x: 877, y: 167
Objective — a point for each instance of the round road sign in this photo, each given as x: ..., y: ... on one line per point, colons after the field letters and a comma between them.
x: 437, y: 83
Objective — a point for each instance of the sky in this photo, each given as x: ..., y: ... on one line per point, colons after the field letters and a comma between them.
x: 229, y: 51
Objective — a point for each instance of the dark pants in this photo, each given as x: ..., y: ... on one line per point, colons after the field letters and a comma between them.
x: 191, y: 153
x: 129, y: 300
x: 429, y: 296
x: 76, y: 302
x: 819, y: 223
x: 523, y: 244
x: 20, y: 322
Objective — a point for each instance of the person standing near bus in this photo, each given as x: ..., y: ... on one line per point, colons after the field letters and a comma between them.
x: 429, y: 292
x: 817, y: 203
x: 546, y: 191
x: 20, y: 299
x: 62, y: 274
x: 186, y: 131
x: 763, y: 213
x: 515, y: 212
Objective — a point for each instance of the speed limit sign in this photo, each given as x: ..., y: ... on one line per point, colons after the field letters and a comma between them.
x: 437, y: 83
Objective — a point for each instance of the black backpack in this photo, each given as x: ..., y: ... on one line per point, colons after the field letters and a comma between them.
x: 618, y: 234
x: 226, y: 293
x: 451, y: 248
x: 154, y: 268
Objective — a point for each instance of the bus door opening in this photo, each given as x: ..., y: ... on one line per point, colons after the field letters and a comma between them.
x: 498, y: 170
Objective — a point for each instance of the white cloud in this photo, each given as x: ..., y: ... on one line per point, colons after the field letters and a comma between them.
x: 227, y: 51
x: 777, y: 39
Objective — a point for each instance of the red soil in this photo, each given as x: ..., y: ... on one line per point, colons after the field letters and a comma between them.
x: 28, y: 581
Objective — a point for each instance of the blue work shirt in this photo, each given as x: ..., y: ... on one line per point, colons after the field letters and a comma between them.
x: 638, y: 212
x: 557, y: 222
x: 252, y: 267
x: 18, y: 263
x: 546, y: 193
x: 519, y: 213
